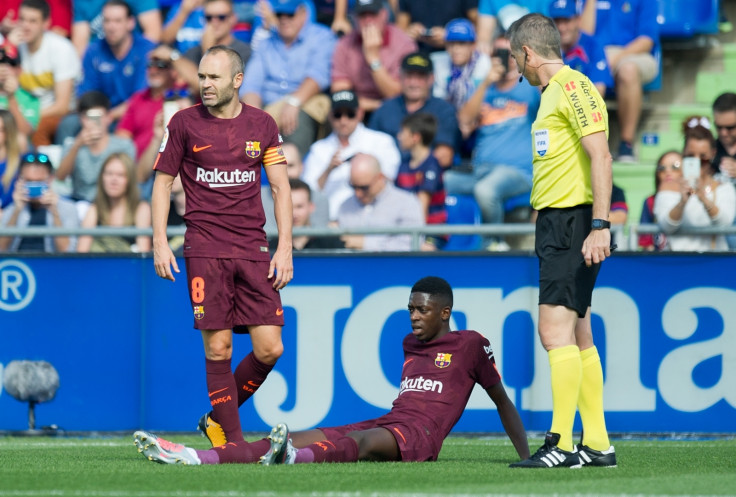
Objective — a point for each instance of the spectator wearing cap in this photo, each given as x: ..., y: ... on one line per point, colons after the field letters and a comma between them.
x: 580, y: 50
x: 417, y: 81
x: 35, y: 203
x: 288, y: 73
x: 425, y: 20
x: 24, y: 107
x: 327, y: 168
x: 459, y: 70
x: 500, y: 113
x: 368, y: 60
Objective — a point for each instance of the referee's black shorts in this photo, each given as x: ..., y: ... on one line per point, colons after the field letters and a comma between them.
x: 564, y: 279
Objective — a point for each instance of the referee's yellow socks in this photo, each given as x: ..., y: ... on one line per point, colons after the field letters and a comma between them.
x: 566, y: 373
x: 590, y: 402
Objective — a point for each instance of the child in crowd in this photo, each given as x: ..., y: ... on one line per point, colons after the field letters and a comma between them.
x: 420, y: 173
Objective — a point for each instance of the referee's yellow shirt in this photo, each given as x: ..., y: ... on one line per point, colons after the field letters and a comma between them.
x: 571, y: 108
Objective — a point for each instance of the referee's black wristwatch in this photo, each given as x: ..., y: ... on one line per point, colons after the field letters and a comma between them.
x: 600, y: 224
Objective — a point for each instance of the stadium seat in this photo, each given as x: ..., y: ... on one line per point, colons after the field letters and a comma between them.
x: 637, y: 182
x: 656, y: 83
x: 708, y: 85
x: 462, y: 209
x: 687, y: 18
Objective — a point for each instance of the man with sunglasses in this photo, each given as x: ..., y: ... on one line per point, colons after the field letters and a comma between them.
x: 35, y: 203
x: 289, y: 71
x: 144, y: 121
x: 724, y: 118
x: 327, y: 168
x: 377, y: 203
x: 218, y: 19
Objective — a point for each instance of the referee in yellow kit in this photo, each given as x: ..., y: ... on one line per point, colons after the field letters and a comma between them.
x: 572, y: 193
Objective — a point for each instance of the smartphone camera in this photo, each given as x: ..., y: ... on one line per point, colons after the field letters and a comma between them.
x: 691, y: 169
x: 36, y: 189
x: 503, y: 54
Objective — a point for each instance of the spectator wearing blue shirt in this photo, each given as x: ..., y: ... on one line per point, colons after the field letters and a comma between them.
x: 417, y: 80
x: 629, y: 33
x: 580, y: 50
x: 115, y: 65
x: 184, y: 25
x: 495, y: 17
x: 87, y: 23
x: 500, y: 113
x: 288, y: 73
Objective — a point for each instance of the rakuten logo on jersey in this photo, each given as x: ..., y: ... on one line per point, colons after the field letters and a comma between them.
x: 420, y: 385
x: 221, y: 179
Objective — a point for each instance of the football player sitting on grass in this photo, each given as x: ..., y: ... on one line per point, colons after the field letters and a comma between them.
x: 441, y: 367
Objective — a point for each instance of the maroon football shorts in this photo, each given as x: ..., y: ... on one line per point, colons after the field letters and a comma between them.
x: 414, y: 441
x: 232, y: 293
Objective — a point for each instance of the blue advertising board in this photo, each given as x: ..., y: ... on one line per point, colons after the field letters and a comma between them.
x: 123, y: 341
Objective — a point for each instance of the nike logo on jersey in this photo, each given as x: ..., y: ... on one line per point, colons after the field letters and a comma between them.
x: 279, y: 312
x: 196, y: 149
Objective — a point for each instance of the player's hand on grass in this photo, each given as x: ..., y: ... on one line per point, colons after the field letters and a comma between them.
x: 164, y: 260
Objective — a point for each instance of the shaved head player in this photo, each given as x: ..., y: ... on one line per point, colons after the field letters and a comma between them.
x: 218, y: 148
x: 441, y: 368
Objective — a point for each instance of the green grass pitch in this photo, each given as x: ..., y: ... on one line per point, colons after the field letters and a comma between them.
x: 112, y: 467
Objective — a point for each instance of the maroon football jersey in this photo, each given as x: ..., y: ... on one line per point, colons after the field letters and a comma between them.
x: 220, y: 165
x: 438, y: 378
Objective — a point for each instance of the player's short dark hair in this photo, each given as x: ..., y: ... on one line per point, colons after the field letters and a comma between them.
x: 91, y: 99
x: 436, y: 287
x: 41, y: 5
x: 236, y: 61
x: 725, y: 102
x: 297, y: 184
x: 423, y: 123
x: 120, y: 3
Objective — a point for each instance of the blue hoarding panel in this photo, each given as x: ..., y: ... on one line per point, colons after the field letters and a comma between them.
x: 128, y: 357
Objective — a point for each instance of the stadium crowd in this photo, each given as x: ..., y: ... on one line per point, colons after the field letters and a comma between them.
x: 390, y: 111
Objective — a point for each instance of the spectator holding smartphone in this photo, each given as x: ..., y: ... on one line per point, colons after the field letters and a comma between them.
x: 83, y: 158
x: 35, y: 203
x: 696, y: 202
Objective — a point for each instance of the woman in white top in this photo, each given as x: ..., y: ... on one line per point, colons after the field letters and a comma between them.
x: 707, y: 201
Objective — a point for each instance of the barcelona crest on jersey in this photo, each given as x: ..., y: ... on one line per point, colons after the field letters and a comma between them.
x: 442, y: 360
x: 198, y: 311
x: 252, y: 149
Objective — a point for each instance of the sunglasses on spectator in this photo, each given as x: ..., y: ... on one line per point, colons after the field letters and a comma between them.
x: 362, y: 188
x: 729, y: 127
x: 160, y: 64
x: 32, y: 158
x: 219, y: 17
x: 285, y: 14
x: 338, y: 114
x: 675, y: 166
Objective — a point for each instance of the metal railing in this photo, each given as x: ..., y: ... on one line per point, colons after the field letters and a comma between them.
x: 627, y: 236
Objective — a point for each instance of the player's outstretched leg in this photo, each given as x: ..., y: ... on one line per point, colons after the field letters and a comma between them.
x: 212, y: 430
x: 281, y: 451
x: 162, y: 451
x: 550, y: 456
